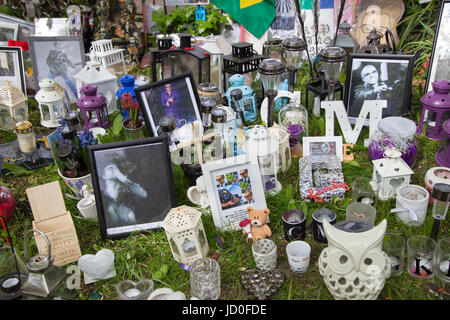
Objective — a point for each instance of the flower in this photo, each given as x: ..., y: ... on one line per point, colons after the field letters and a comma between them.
x: 294, y: 132
x: 130, y: 105
x: 86, y: 138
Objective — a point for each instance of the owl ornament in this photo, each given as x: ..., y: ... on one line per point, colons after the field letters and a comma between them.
x: 353, y: 266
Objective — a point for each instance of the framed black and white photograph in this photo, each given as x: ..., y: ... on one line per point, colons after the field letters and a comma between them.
x: 232, y: 185
x: 8, y: 31
x: 26, y: 28
x: 11, y: 67
x: 323, y: 146
x: 133, y: 185
x: 439, y: 67
x: 176, y: 96
x: 58, y: 58
x: 378, y: 77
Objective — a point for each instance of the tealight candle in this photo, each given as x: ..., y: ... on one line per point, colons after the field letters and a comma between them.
x: 131, y: 293
x: 444, y: 266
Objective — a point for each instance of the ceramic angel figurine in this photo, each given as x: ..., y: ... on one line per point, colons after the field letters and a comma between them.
x: 198, y: 195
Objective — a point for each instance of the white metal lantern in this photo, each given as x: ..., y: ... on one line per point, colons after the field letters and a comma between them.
x: 13, y: 106
x: 186, y: 235
x: 391, y: 173
x: 52, y: 103
x: 94, y: 73
x: 263, y: 150
x: 284, y: 150
x: 107, y: 55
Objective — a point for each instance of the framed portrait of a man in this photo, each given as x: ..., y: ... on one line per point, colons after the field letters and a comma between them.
x: 133, y: 184
x: 58, y: 58
x: 176, y: 96
x: 11, y: 67
x: 439, y: 68
x: 378, y: 77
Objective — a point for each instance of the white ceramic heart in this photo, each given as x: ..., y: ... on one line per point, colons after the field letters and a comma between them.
x: 98, y: 266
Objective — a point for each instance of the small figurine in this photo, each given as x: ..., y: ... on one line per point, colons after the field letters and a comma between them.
x: 197, y: 194
x: 259, y: 228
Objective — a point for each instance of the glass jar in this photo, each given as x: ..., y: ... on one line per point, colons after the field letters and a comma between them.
x: 208, y: 91
x: 26, y: 136
x: 294, y: 119
x: 205, y: 279
x: 394, y: 133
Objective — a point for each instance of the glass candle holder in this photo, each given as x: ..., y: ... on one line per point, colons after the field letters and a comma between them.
x: 443, y: 260
x: 358, y: 211
x: 365, y: 190
x: 394, y: 247
x: 207, y: 106
x: 294, y: 119
x: 205, y: 279
x: 265, y: 254
x: 129, y: 290
x: 318, y: 217
x: 421, y: 257
x: 26, y: 136
x: 208, y: 91
x: 412, y: 204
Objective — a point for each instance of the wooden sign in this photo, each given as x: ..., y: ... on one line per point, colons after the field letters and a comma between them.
x: 52, y: 218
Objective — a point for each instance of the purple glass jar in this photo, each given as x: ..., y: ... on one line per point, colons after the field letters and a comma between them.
x: 443, y: 155
x: 94, y: 108
x: 435, y: 110
x: 397, y: 133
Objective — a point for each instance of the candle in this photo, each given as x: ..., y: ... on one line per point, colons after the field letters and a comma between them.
x: 444, y: 266
x: 395, y: 263
x: 132, y: 293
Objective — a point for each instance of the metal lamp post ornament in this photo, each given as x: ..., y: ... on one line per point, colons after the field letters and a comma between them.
x: 332, y: 60
x: 271, y: 71
x: 292, y: 57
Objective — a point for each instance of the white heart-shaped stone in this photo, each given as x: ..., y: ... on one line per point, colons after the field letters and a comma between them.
x: 97, y: 266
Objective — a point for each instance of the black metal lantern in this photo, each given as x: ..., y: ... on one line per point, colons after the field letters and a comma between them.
x: 155, y: 55
x: 374, y: 45
x: 292, y: 57
x: 185, y: 58
x: 343, y: 38
x: 271, y: 71
x: 242, y: 60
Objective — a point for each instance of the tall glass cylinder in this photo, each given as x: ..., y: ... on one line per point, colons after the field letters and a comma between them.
x: 394, y: 247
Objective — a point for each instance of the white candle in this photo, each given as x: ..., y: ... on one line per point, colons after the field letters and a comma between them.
x: 443, y: 266
x: 131, y: 293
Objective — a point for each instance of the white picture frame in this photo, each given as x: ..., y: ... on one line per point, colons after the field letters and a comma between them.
x: 228, y: 218
x: 12, y: 67
x: 323, y: 146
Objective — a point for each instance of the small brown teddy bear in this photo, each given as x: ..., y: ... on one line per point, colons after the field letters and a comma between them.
x: 258, y: 227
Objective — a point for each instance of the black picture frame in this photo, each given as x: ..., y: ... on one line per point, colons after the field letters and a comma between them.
x: 431, y: 77
x: 398, y: 103
x: 154, y: 203
x: 74, y: 57
x: 145, y: 106
x: 17, y: 69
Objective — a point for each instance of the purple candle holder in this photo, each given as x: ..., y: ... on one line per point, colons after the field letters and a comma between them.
x: 443, y: 155
x: 435, y: 110
x: 94, y: 108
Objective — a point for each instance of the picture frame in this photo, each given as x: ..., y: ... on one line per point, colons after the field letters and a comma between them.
x: 132, y: 193
x: 8, y: 31
x: 47, y: 51
x: 26, y: 28
x: 378, y: 77
x: 323, y: 146
x: 228, y: 200
x: 52, y: 27
x: 439, y: 67
x: 151, y: 97
x: 12, y: 67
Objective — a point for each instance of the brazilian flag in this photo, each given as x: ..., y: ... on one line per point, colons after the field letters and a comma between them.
x: 254, y: 15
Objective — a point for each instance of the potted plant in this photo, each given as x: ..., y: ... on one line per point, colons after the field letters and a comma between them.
x: 134, y: 124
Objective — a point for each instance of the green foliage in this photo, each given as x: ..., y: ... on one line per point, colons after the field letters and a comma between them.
x: 10, y: 11
x: 161, y: 273
x: 14, y: 169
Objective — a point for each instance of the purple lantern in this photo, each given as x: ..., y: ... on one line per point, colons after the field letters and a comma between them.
x: 435, y: 110
x: 443, y: 155
x: 94, y: 107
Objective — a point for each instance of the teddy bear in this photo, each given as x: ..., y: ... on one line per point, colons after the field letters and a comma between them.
x: 255, y: 226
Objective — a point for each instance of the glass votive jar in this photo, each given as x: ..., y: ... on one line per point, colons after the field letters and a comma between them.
x: 265, y: 254
x: 208, y: 91
x: 26, y: 136
x: 443, y: 260
x: 365, y: 190
x: 318, y: 216
x: 205, y: 279
x: 412, y: 204
x: 394, y: 247
x: 294, y: 119
x: 129, y: 290
x: 421, y: 257
x: 358, y: 211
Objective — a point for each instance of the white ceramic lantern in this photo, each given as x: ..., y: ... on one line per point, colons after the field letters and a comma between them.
x: 391, y: 173
x: 353, y: 266
x: 186, y: 235
x: 284, y: 150
x: 52, y: 103
x: 107, y: 55
x: 94, y: 73
x: 263, y: 150
x: 13, y: 106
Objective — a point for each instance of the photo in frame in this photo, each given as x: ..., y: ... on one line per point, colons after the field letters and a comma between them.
x: 439, y: 67
x: 378, y: 77
x: 233, y: 184
x: 133, y: 185
x: 176, y: 96
x: 12, y: 68
x: 8, y: 31
x: 58, y: 58
x: 26, y: 28
x: 323, y: 146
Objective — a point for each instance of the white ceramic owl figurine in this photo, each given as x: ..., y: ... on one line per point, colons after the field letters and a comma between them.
x: 353, y: 266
